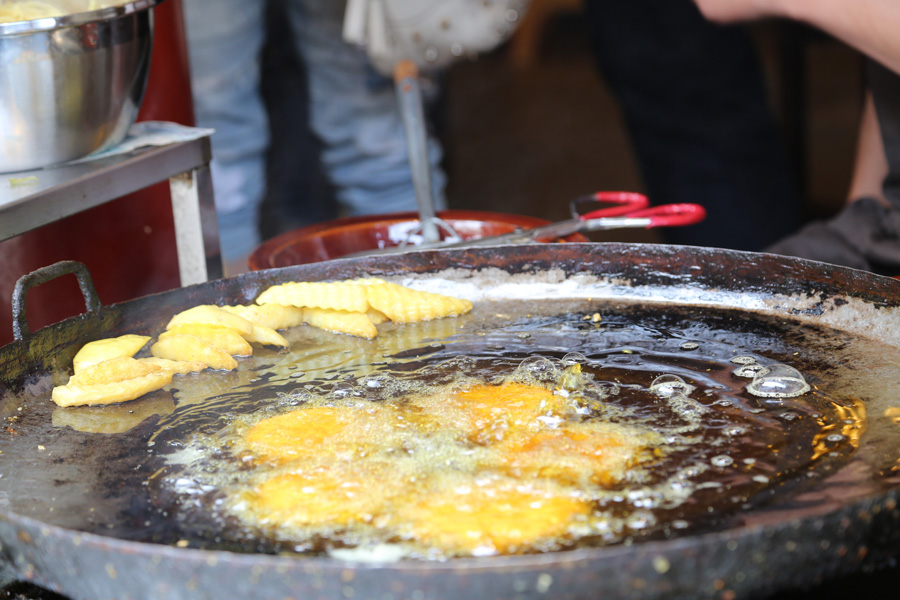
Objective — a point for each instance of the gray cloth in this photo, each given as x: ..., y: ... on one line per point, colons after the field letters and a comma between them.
x: 865, y: 234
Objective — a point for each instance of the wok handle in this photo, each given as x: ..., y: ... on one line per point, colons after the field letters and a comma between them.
x: 43, y: 275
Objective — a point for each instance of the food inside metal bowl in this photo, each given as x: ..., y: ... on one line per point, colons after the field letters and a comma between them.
x: 27, y: 10
x: 72, y: 77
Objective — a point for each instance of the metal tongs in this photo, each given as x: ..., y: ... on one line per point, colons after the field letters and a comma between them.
x: 627, y: 210
x: 409, y: 96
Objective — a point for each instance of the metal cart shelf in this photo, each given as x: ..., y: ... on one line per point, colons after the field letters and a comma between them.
x: 31, y: 199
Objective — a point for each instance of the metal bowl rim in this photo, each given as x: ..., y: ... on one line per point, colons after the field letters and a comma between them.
x: 76, y: 19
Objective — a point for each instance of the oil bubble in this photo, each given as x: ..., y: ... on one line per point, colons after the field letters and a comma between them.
x: 835, y: 437
x: 640, y: 519
x: 574, y: 358
x: 604, y: 389
x: 721, y: 461
x: 778, y: 381
x: 572, y: 380
x: 667, y: 386
x: 539, y: 368
x: 375, y: 382
x: 344, y: 390
x: 691, y: 471
x: 688, y: 346
x: 294, y: 397
x: 748, y: 371
x: 463, y: 363
x: 744, y: 360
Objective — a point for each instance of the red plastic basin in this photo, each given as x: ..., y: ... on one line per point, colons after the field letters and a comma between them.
x: 340, y: 237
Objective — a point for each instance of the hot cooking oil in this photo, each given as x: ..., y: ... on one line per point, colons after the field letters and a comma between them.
x: 503, y: 434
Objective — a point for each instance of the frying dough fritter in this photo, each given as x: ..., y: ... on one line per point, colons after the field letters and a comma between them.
x: 318, y: 497
x: 579, y: 453
x: 319, y: 431
x: 487, y: 413
x: 493, y: 519
x: 491, y: 469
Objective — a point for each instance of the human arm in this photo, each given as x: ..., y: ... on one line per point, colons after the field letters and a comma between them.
x: 870, y: 167
x: 870, y: 26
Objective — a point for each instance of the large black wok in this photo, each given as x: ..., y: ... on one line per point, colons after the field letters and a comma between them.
x: 66, y: 493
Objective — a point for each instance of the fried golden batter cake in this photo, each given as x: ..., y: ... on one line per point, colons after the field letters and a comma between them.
x: 338, y: 431
x: 486, y: 413
x: 491, y: 469
x: 493, y: 518
x: 579, y: 453
x: 322, y: 498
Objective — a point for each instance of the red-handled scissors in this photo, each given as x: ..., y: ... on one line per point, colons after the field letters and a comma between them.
x: 629, y: 209
x: 626, y: 209
x: 633, y: 210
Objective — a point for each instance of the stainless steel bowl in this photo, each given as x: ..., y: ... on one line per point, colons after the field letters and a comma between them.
x: 71, y: 85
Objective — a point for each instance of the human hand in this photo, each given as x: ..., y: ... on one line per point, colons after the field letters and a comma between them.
x: 727, y: 11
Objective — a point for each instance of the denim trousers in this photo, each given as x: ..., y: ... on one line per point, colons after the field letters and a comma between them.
x: 353, y: 110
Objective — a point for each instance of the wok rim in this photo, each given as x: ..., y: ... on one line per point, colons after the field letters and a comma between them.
x: 882, y: 504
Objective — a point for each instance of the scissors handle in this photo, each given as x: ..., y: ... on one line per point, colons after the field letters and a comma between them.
x: 623, y: 203
x: 665, y: 215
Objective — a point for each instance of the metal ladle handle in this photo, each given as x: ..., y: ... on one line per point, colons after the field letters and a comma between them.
x: 409, y: 95
x: 43, y: 275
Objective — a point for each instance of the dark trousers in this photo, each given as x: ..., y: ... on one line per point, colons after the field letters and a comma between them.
x: 695, y: 104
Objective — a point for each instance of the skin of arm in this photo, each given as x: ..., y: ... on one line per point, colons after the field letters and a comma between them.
x: 870, y: 26
x: 871, y: 166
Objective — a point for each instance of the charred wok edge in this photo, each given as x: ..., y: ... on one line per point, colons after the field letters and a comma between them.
x: 747, y: 559
x: 751, y: 561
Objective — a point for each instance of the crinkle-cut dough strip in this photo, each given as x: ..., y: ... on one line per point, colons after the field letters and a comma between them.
x: 376, y: 316
x: 405, y: 305
x: 266, y: 336
x: 110, y: 393
x: 121, y: 368
x: 105, y: 349
x: 209, y: 314
x: 341, y: 321
x: 273, y: 316
x: 224, y: 338
x: 177, y: 367
x: 190, y: 348
x: 334, y: 295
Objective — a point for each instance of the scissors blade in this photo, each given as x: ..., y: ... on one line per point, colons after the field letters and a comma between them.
x: 552, y: 231
x: 522, y: 236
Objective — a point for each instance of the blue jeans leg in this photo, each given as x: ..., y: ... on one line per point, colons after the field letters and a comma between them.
x: 354, y: 111
x: 224, y: 41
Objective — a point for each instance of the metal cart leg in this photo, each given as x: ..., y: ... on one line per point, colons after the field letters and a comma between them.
x: 196, y: 230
